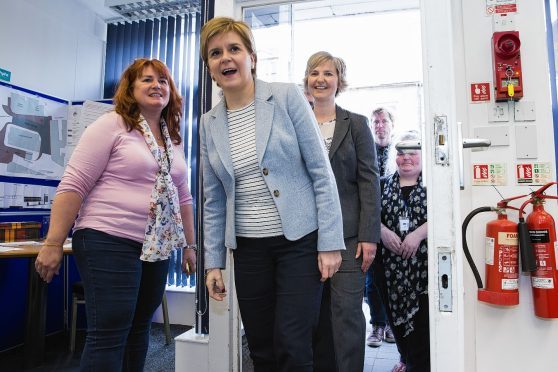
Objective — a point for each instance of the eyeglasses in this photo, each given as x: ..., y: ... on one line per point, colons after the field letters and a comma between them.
x: 408, y: 152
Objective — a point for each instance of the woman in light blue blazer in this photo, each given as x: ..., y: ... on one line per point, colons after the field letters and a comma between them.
x: 271, y: 197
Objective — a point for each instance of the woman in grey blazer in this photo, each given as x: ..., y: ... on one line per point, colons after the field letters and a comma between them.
x: 339, y: 344
x: 271, y: 197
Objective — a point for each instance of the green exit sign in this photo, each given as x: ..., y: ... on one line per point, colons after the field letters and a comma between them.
x: 5, y: 75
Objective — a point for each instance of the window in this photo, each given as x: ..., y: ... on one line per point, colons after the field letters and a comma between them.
x: 381, y: 48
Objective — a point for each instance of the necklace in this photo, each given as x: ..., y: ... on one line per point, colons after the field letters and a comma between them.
x: 327, y: 121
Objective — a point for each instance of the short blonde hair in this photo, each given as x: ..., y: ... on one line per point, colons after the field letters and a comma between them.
x: 222, y: 25
x: 317, y: 59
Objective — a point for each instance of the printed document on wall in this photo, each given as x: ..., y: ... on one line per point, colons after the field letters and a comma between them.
x: 81, y: 116
x: 33, y: 135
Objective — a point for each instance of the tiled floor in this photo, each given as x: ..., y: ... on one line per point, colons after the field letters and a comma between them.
x: 378, y: 359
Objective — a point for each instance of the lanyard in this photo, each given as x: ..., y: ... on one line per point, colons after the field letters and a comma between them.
x: 404, y: 220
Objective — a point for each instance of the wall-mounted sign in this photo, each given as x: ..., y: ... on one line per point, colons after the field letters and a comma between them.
x: 489, y: 174
x: 480, y: 92
x: 533, y: 173
x: 5, y: 75
x: 501, y: 6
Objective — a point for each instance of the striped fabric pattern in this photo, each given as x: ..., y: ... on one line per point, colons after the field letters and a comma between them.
x: 256, y: 215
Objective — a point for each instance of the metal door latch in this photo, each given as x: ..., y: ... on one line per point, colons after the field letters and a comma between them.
x: 444, y: 281
x: 441, y: 145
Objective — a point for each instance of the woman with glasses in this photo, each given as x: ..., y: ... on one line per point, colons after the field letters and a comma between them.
x: 403, y: 278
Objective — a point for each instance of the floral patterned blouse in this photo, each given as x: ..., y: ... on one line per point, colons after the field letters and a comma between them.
x: 406, y: 279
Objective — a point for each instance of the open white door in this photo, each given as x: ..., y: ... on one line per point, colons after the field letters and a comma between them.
x: 440, y: 151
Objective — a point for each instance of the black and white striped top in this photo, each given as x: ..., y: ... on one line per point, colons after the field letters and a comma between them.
x: 256, y: 215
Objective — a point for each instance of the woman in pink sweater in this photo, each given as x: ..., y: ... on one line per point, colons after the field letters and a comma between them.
x: 127, y: 181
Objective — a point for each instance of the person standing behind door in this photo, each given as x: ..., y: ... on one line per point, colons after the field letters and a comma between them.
x: 271, y: 197
x: 382, y: 125
x: 350, y: 145
x: 127, y: 178
x: 404, y: 257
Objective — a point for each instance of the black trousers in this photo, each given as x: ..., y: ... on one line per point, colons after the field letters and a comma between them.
x: 415, y: 347
x: 279, y: 291
x: 339, y: 340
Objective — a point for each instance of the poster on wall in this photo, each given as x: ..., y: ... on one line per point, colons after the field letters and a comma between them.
x: 80, y: 117
x: 33, y: 134
x: 480, y: 92
x: 500, y: 6
x: 489, y: 174
x: 533, y: 173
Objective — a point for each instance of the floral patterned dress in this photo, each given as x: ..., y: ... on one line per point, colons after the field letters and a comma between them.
x: 406, y: 279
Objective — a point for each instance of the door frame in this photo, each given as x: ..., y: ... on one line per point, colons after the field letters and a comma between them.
x: 445, y: 255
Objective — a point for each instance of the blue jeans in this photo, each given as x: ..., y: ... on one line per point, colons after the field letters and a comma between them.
x: 378, y: 315
x: 121, y: 295
x: 278, y: 289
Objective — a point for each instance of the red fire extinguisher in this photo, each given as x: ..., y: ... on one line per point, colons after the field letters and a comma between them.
x: 542, y: 234
x: 502, y: 256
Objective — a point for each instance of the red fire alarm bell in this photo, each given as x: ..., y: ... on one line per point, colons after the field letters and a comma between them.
x: 508, y: 84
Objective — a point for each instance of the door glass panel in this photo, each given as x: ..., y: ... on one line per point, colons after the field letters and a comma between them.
x: 381, y: 47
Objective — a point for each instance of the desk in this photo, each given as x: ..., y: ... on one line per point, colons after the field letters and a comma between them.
x: 34, y: 342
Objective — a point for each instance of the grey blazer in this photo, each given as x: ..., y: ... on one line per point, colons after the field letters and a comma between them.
x: 353, y: 160
x: 293, y: 163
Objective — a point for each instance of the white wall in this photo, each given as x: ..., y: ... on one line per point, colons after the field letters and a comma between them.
x: 503, y: 339
x: 55, y: 47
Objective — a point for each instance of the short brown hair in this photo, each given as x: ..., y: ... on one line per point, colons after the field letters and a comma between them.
x: 317, y: 59
x: 382, y: 110
x: 222, y: 25
x: 127, y: 106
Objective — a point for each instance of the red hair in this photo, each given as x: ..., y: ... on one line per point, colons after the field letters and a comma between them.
x: 127, y: 106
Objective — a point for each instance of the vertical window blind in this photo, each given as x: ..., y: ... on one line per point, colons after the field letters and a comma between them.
x: 173, y: 40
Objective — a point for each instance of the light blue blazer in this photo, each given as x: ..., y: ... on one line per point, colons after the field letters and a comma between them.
x: 294, y: 165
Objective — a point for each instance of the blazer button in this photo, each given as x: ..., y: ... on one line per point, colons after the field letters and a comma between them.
x: 276, y: 193
x: 265, y: 171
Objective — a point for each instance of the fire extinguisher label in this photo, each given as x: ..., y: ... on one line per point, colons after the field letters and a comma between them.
x: 539, y: 236
x: 543, y: 255
x: 489, y: 250
x: 544, y: 283
x: 507, y: 238
x: 509, y: 284
x: 508, y: 258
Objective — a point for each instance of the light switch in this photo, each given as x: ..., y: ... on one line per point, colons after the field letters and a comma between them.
x: 498, y: 112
